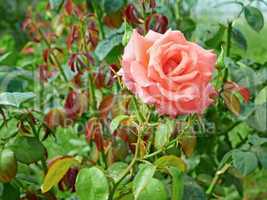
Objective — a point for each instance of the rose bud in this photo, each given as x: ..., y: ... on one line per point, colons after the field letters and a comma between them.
x: 157, y: 22
x: 54, y: 118
x: 68, y: 181
x: 131, y: 14
x: 8, y: 165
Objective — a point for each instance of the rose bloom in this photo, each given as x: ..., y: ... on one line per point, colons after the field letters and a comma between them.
x: 169, y: 72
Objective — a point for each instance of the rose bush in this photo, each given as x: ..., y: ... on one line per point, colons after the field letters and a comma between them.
x: 132, y: 100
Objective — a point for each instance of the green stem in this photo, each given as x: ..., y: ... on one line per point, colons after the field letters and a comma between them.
x: 139, y: 114
x: 98, y: 18
x: 170, y: 145
x: 130, y: 166
x: 216, y: 178
x: 54, y: 56
x: 43, y: 162
x: 229, y: 37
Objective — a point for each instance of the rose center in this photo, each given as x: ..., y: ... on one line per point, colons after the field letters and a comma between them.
x: 171, y: 63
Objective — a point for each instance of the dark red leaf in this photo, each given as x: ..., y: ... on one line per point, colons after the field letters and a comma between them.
x: 131, y: 14
x: 157, y: 22
x: 69, y: 7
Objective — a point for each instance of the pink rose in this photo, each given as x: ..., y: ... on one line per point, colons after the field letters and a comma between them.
x: 169, y: 72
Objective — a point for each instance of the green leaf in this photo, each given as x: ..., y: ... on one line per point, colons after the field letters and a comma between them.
x: 170, y: 161
x: 9, y: 192
x: 177, y: 183
x: 116, y: 169
x: 15, y: 98
x: 28, y: 149
x: 154, y: 190
x: 256, y: 140
x: 192, y: 191
x: 92, y: 184
x: 220, y: 61
x: 163, y: 133
x: 111, y: 6
x: 216, y: 40
x: 56, y: 172
x: 262, y: 156
x: 239, y: 38
x: 245, y: 162
x: 261, y: 97
x: 254, y: 18
x: 143, y: 178
x: 55, y: 4
x: 116, y: 122
x: 187, y: 26
x: 128, y: 30
x: 105, y: 46
x: 3, y: 57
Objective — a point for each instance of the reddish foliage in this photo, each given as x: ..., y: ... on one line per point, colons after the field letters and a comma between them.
x: 157, y: 22
x: 69, y: 6
x: 234, y: 87
x: 131, y: 14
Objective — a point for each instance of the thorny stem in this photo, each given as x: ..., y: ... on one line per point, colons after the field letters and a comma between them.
x: 170, y: 145
x: 54, y: 56
x: 216, y: 178
x: 130, y: 166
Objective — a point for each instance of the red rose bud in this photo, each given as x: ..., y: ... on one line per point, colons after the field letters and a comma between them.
x: 8, y: 165
x: 54, y: 118
x: 67, y: 183
x: 157, y: 22
x: 131, y: 14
